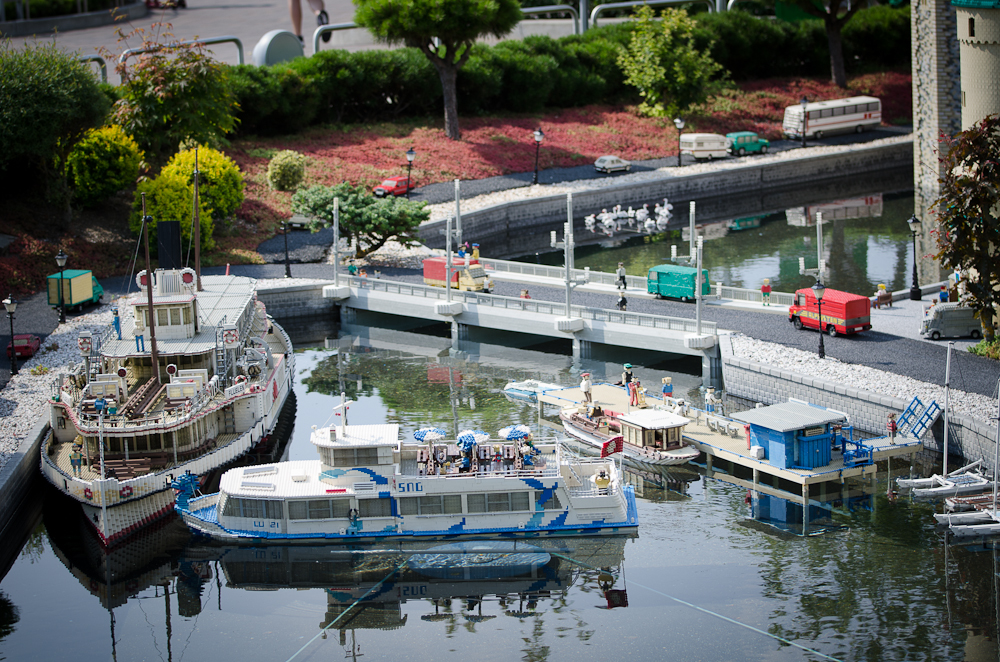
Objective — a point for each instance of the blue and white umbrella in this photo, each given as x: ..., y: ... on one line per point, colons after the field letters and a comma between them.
x: 514, y: 432
x: 469, y: 438
x: 429, y: 434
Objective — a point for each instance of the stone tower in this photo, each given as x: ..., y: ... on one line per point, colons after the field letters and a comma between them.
x: 979, y: 45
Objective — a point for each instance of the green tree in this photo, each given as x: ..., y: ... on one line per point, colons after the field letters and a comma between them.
x: 835, y: 16
x: 661, y: 60
x: 48, y: 101
x: 173, y: 92
x: 443, y: 30
x: 968, y: 233
x: 104, y: 162
x: 369, y: 220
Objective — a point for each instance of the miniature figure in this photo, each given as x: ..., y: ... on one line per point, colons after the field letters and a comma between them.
x: 622, y: 302
x: 475, y: 251
x: 943, y: 294
x: 76, y: 460
x: 378, y: 274
x: 710, y: 400
x: 363, y: 273
x: 765, y: 292
x: 892, y: 427
x: 620, y: 272
x: 668, y: 389
x: 627, y: 375
x: 882, y: 297
x: 602, y: 481
x: 640, y: 394
x: 352, y: 268
x: 487, y: 285
x: 585, y: 387
x: 525, y: 295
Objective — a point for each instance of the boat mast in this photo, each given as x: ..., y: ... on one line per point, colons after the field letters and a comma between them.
x: 149, y: 294
x: 197, y: 225
x: 947, y: 385
x: 996, y: 458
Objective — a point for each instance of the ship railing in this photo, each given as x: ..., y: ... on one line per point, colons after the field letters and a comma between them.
x: 112, y: 491
x: 90, y: 422
x: 585, y: 492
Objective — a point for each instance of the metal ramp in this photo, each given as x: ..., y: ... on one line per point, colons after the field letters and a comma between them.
x: 918, y: 417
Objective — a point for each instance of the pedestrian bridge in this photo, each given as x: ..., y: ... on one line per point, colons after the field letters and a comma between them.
x: 583, y: 326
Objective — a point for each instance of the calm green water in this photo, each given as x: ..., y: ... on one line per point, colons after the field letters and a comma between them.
x: 704, y: 579
x: 865, y: 238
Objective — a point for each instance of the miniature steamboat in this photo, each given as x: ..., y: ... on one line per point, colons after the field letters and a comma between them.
x: 187, y: 394
x: 369, y: 485
x: 649, y: 437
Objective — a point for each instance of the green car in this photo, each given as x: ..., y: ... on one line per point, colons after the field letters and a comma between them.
x: 741, y: 143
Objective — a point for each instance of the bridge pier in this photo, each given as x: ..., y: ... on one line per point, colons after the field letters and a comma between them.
x: 348, y: 315
x: 459, y: 332
x: 711, y: 367
x: 582, y: 349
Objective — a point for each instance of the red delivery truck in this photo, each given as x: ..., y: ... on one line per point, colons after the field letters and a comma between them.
x: 843, y: 313
x: 466, y: 273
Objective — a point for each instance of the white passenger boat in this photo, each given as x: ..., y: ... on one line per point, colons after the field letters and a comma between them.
x: 649, y: 437
x: 528, y: 390
x: 965, y: 480
x: 369, y: 485
x: 192, y: 392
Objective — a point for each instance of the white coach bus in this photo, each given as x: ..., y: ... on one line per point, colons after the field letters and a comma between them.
x: 824, y: 118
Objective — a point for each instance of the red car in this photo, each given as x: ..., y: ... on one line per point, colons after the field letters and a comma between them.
x: 25, y: 344
x: 393, y: 186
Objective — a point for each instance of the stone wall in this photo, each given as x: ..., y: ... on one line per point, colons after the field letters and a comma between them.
x: 19, y: 473
x: 520, y: 227
x: 936, y: 72
x: 289, y: 301
x: 867, y: 411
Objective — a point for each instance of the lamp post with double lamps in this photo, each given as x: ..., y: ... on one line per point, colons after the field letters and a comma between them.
x: 61, y: 261
x: 804, y: 101
x: 10, y: 303
x: 818, y: 291
x: 679, y: 123
x: 538, y: 144
x: 914, y: 223
x: 410, y: 155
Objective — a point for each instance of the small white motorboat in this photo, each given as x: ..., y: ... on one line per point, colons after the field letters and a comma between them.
x: 528, y: 390
x: 965, y: 480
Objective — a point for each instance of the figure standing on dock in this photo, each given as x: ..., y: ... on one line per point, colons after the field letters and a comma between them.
x: 668, y: 389
x: 585, y: 387
x: 627, y: 375
x: 892, y: 428
x: 633, y: 393
x: 765, y: 292
x: 620, y: 272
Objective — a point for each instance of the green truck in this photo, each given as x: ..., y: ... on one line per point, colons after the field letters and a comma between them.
x: 676, y: 282
x: 79, y: 287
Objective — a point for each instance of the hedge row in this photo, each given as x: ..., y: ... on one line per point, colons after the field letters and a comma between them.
x: 526, y: 76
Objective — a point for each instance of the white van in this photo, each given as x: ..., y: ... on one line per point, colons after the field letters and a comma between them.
x: 825, y: 118
x: 704, y: 145
x: 951, y: 320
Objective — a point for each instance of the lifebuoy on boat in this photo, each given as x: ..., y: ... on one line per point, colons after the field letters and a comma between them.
x: 125, y: 492
x: 88, y: 493
x: 241, y: 379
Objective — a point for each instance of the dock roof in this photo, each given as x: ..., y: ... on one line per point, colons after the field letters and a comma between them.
x: 788, y: 416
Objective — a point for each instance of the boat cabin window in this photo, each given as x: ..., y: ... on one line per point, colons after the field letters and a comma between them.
x: 375, y: 507
x: 350, y: 457
x: 255, y: 508
x: 319, y: 509
x: 447, y: 504
x: 552, y: 504
x: 498, y: 502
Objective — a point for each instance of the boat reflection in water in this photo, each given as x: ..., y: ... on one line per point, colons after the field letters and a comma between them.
x: 665, y: 483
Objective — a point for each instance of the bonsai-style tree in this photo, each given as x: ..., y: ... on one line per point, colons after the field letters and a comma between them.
x: 835, y: 16
x: 968, y: 234
x: 662, y: 62
x: 444, y: 30
x: 369, y: 220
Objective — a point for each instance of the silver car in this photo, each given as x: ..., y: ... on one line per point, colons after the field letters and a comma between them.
x: 611, y: 164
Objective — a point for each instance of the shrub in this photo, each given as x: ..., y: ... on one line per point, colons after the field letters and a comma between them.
x: 286, y: 170
x: 103, y: 163
x: 220, y: 183
x: 169, y: 198
x: 48, y: 101
x: 986, y: 348
x: 273, y: 100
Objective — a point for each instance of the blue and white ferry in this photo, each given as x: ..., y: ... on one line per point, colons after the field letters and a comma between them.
x: 368, y: 484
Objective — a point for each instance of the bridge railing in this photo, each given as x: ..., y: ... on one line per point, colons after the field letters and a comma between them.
x: 545, y: 271
x: 644, y: 320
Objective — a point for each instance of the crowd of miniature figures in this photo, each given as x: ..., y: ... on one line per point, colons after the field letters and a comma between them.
x: 636, y: 220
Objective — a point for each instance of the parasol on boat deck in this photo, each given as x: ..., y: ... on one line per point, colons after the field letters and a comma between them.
x: 470, y: 438
x: 429, y: 434
x: 514, y: 432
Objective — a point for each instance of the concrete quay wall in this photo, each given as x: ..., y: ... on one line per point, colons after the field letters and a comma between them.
x: 19, y: 473
x: 868, y: 411
x: 291, y: 301
x: 749, y: 183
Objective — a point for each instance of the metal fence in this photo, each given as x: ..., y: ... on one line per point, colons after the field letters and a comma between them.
x: 644, y: 320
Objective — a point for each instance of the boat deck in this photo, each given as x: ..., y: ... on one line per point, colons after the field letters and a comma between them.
x: 139, y: 462
x: 447, y: 461
x: 609, y: 396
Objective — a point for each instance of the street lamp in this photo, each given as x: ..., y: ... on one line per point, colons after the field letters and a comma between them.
x: 818, y: 291
x: 679, y: 123
x: 10, y: 303
x: 914, y: 223
x: 61, y: 261
x: 804, y: 101
x: 410, y: 155
x: 288, y: 267
x: 538, y: 143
